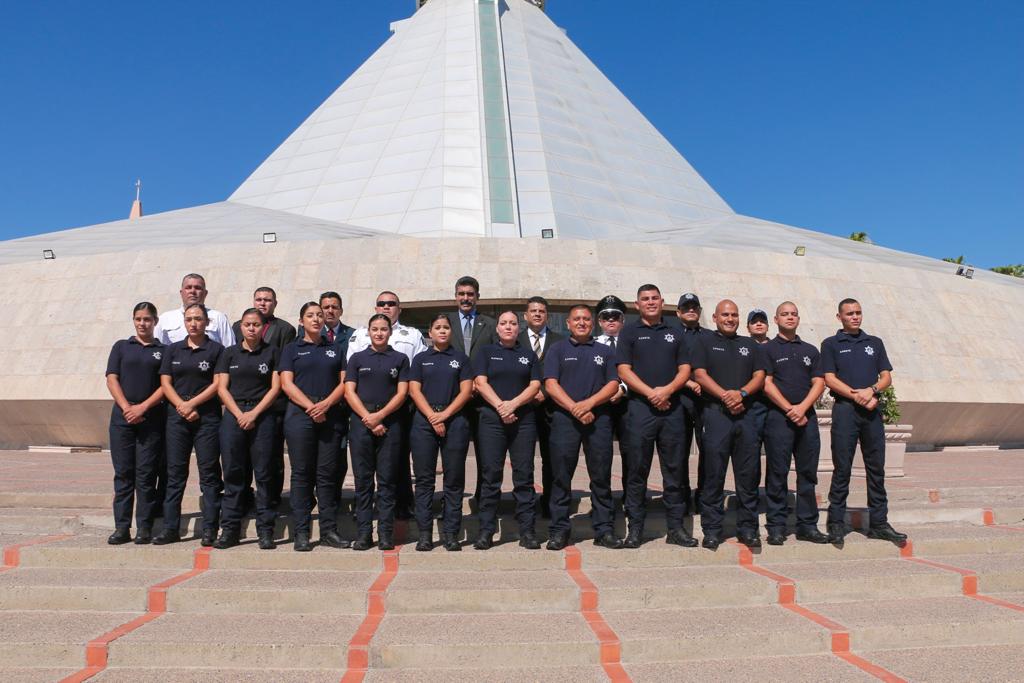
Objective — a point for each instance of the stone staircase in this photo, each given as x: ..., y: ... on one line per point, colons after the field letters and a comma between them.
x: 947, y: 607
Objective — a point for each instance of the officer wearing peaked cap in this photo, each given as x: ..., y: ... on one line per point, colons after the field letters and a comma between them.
x: 688, y: 311
x: 611, y: 316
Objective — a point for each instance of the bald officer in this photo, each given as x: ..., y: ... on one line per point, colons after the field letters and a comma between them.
x: 793, y: 383
x: 730, y: 370
x: 580, y: 378
x: 654, y: 362
x: 857, y: 371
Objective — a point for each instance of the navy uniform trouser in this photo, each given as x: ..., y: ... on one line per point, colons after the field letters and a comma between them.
x: 241, y: 452
x: 648, y: 427
x: 275, y: 483
x: 182, y: 436
x: 404, y: 497
x: 136, y: 451
x: 519, y: 440
x: 693, y: 428
x: 785, y: 443
x: 567, y: 435
x: 543, y: 417
x: 729, y: 437
x: 453, y: 447
x: 618, y: 412
x: 375, y: 456
x: 850, y: 424
x: 318, y: 464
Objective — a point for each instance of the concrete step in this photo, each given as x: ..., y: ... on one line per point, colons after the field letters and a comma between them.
x: 468, y: 592
x: 271, y: 641
x: 31, y: 674
x: 537, y: 674
x: 954, y: 664
x: 925, y: 622
x: 41, y: 520
x: 483, y: 641
x: 963, y: 539
x: 857, y: 579
x: 218, y: 675
x: 52, y: 639
x: 45, y: 588
x: 997, y: 573
x: 666, y: 635
x: 785, y: 667
x: 679, y: 588
x: 229, y: 591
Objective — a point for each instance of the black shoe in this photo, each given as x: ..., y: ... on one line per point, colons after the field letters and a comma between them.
x: 749, y: 538
x: 634, y: 539
x: 385, y: 541
x: 681, y: 537
x: 836, y: 533
x: 333, y: 539
x: 885, y: 532
x: 120, y: 537
x: 166, y: 536
x: 557, y: 541
x: 426, y: 542
x: 302, y: 544
x: 267, y: 540
x: 812, y: 535
x: 208, y: 538
x: 711, y: 540
x: 364, y: 542
x: 776, y: 538
x: 144, y: 536
x: 228, y: 539
x: 484, y: 541
x: 529, y: 541
x: 610, y: 541
x: 450, y: 543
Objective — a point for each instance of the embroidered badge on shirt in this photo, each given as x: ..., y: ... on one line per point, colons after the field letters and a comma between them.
x: 455, y: 364
x: 744, y: 351
x: 204, y: 365
x: 263, y: 368
x: 403, y: 332
x: 524, y: 360
x: 807, y: 361
x: 157, y: 355
x: 393, y: 372
x: 869, y: 350
x: 670, y: 337
x: 599, y: 360
x: 330, y: 353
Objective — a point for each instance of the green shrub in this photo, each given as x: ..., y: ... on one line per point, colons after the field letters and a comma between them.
x: 890, y: 407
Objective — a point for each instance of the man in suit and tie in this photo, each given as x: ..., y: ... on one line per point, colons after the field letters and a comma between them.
x: 279, y: 333
x: 539, y: 337
x: 335, y: 331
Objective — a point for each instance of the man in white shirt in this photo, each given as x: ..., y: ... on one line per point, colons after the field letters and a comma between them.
x: 407, y: 340
x: 171, y: 326
x: 611, y: 315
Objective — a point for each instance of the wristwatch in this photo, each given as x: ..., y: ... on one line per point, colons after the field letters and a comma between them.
x: 743, y: 393
x: 875, y: 391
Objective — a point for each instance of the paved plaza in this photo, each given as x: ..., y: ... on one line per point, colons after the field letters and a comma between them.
x: 947, y: 607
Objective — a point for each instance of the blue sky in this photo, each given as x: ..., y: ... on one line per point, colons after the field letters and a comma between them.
x: 902, y: 119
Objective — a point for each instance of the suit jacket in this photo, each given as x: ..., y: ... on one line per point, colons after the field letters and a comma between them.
x: 550, y: 338
x: 485, y: 331
x: 280, y: 334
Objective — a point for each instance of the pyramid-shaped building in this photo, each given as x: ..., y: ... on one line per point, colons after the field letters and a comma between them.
x: 474, y: 133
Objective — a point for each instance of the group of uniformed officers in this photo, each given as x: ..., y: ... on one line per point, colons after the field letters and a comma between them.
x: 235, y: 394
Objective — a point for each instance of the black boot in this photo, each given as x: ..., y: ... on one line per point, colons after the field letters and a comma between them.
x: 120, y: 536
x: 484, y: 541
x: 426, y: 542
x: 363, y: 542
x: 529, y: 541
x: 267, y: 540
x: 167, y: 536
x: 558, y: 541
x: 228, y: 539
x: 385, y: 540
x: 302, y: 544
x: 144, y: 536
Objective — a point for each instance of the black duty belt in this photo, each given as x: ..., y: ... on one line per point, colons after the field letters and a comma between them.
x: 439, y: 407
x: 246, y: 404
x: 374, y: 407
x: 315, y: 399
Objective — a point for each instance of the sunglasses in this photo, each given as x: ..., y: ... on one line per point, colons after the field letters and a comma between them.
x: 386, y: 304
x: 610, y: 316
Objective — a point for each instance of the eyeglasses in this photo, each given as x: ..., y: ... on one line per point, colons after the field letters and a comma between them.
x: 386, y: 304
x: 610, y: 316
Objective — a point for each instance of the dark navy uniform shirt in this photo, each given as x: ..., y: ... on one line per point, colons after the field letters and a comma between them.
x: 730, y: 361
x: 792, y: 365
x: 316, y: 366
x: 439, y: 373
x: 249, y: 372
x: 856, y: 360
x: 508, y: 370
x: 654, y: 352
x: 137, y: 367
x: 191, y: 370
x: 377, y: 373
x: 582, y: 369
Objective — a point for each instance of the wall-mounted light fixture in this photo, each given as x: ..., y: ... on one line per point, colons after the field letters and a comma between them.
x: 547, y: 234
x: 800, y: 250
x: 48, y: 254
x: 269, y: 237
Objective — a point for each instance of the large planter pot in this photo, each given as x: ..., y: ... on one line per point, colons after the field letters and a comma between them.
x: 896, y: 439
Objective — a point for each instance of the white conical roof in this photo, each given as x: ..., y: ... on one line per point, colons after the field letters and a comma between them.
x: 464, y: 122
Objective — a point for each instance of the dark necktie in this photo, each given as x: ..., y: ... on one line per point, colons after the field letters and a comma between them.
x: 613, y: 343
x: 330, y: 335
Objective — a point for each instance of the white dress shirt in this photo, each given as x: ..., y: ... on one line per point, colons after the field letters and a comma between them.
x: 171, y: 327
x: 405, y: 339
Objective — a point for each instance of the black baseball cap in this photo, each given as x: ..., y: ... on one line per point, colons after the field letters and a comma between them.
x: 689, y: 299
x: 756, y: 313
x: 610, y: 303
